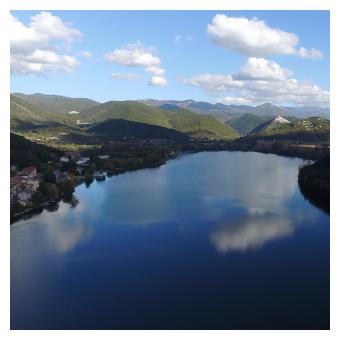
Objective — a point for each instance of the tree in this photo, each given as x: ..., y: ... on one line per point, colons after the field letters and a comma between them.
x: 70, y: 167
x: 52, y: 191
x: 88, y: 177
x: 49, y: 176
x: 66, y: 186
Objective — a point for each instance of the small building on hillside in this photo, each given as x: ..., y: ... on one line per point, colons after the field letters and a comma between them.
x: 83, y: 161
x: 59, y: 175
x: 28, y: 172
x: 15, y: 188
x: 103, y: 156
x: 24, y: 196
x: 24, y: 185
x: 72, y: 155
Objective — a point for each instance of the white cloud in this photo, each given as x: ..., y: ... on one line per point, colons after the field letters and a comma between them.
x: 179, y: 39
x: 125, y: 76
x: 213, y: 82
x: 312, y: 53
x: 85, y: 54
x: 234, y: 101
x: 258, y: 81
x: 253, y: 37
x: 33, y: 47
x: 154, y: 70
x: 158, y: 81
x: 262, y: 69
x: 138, y: 55
x: 133, y: 55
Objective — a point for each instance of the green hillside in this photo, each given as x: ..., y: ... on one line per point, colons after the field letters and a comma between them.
x: 57, y: 104
x: 247, y: 122
x: 26, y: 153
x: 128, y: 110
x: 119, y: 129
x: 199, y: 126
x: 25, y: 116
x: 312, y: 129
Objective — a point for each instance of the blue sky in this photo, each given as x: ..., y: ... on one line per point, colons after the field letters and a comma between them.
x: 280, y: 56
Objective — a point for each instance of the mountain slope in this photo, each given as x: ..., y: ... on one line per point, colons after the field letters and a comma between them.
x: 313, y: 129
x: 25, y: 116
x: 270, y: 125
x: 182, y: 120
x: 128, y: 110
x: 247, y: 122
x: 118, y: 129
x: 200, y: 126
x: 26, y: 153
x: 57, y: 104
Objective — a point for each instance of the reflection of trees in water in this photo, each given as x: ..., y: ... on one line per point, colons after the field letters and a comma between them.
x: 32, y: 213
x: 52, y: 207
x: 72, y: 200
x: 314, y: 183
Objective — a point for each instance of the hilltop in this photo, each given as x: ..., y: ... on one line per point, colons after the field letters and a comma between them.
x: 26, y: 116
x: 57, y: 104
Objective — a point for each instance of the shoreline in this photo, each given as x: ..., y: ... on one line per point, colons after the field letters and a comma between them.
x: 79, y: 180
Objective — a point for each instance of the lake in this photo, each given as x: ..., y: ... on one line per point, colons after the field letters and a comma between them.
x: 213, y: 240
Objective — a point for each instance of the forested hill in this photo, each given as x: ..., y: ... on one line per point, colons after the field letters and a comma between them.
x: 119, y: 129
x: 185, y: 121
x: 26, y: 153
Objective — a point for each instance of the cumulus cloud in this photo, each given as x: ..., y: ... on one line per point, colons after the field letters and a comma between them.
x: 125, y: 76
x: 262, y: 69
x: 253, y: 37
x: 34, y: 47
x: 213, y: 83
x: 158, y: 81
x: 133, y: 55
x: 138, y: 55
x: 155, y: 70
x: 258, y: 81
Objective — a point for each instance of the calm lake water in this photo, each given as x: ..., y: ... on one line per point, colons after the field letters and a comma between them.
x: 213, y: 240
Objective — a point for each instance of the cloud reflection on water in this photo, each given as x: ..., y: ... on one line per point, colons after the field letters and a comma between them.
x: 250, y: 232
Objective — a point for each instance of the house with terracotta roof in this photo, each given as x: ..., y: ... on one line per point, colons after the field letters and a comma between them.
x: 28, y: 172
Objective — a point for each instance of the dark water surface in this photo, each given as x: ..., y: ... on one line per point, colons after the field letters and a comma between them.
x: 218, y: 240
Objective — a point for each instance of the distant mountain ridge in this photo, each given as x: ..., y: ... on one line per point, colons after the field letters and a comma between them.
x: 226, y: 112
